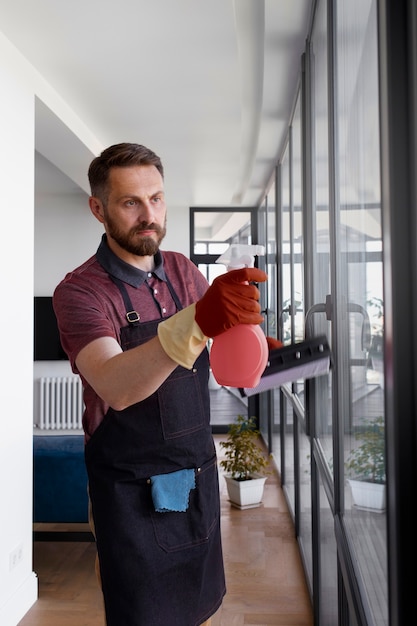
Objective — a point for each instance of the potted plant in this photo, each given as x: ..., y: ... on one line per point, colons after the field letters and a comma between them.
x: 365, y: 466
x: 244, y: 463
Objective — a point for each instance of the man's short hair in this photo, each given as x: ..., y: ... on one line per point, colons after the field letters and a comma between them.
x: 118, y: 155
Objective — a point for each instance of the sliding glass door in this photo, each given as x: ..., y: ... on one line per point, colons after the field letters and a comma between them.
x: 329, y: 432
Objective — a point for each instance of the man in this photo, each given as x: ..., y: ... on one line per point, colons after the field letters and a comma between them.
x: 134, y: 322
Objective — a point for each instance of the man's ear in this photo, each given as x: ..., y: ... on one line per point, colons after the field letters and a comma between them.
x: 96, y: 208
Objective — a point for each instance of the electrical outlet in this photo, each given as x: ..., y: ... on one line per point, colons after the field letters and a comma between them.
x: 15, y: 557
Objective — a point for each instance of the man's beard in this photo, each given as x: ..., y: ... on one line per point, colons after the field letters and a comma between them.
x: 145, y: 246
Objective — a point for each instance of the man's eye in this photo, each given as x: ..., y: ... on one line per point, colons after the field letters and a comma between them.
x: 130, y: 203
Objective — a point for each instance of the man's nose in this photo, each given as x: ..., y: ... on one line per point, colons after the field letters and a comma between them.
x: 147, y: 213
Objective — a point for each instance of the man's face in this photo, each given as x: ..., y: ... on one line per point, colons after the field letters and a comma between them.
x: 135, y: 213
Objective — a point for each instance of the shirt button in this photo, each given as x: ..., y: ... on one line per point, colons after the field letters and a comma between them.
x: 164, y: 310
x: 155, y: 291
x: 149, y: 274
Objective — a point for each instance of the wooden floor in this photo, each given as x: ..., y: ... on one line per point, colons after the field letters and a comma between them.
x: 264, y: 575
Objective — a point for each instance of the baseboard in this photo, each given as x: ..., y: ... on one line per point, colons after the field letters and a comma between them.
x: 62, y: 532
x: 16, y: 607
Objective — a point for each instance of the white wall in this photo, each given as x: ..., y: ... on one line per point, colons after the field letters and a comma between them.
x: 66, y: 234
x: 19, y: 84
x: 18, y: 585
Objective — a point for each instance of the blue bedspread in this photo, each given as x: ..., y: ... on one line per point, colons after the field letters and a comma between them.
x: 59, y: 479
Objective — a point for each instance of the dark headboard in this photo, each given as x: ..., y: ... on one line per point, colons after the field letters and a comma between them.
x: 47, y: 344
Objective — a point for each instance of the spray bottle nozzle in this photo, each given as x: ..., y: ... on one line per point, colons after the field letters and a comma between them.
x: 240, y: 255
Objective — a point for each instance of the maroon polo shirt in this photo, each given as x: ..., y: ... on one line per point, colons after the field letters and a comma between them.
x: 88, y: 305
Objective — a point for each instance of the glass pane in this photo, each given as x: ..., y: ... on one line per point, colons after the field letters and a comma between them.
x: 286, y: 250
x: 214, y: 227
x: 328, y: 564
x: 360, y: 236
x: 211, y: 271
x: 264, y: 403
x: 305, y: 499
x: 272, y: 326
x: 297, y: 243
x: 276, y: 426
x: 321, y: 237
x: 271, y: 264
x: 289, y: 434
x: 267, y: 214
x: 286, y: 410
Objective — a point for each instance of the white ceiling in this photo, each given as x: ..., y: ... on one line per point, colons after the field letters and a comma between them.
x: 207, y: 84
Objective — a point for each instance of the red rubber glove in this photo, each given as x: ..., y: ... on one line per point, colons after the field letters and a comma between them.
x: 230, y: 301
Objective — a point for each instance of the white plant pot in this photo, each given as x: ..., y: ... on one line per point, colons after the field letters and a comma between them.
x: 245, y: 494
x: 368, y: 496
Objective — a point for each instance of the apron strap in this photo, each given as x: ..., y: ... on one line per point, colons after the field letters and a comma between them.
x: 132, y: 316
x: 173, y: 294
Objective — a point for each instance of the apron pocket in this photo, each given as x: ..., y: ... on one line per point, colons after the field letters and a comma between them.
x: 171, y: 492
x: 181, y: 404
x: 178, y: 531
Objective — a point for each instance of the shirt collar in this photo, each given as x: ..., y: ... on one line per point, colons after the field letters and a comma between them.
x: 124, y: 271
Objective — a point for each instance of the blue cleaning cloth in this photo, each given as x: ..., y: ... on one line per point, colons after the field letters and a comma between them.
x: 171, y: 492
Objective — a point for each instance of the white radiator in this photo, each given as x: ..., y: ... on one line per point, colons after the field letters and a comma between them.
x: 61, y: 402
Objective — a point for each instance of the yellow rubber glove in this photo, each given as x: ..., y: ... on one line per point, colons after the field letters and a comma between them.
x: 229, y: 301
x: 182, y: 338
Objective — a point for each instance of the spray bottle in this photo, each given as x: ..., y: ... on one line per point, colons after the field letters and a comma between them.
x: 238, y: 357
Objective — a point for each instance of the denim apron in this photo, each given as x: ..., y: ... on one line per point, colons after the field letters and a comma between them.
x: 157, y: 569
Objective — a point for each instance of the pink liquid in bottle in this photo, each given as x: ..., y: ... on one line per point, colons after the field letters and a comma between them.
x: 238, y: 357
